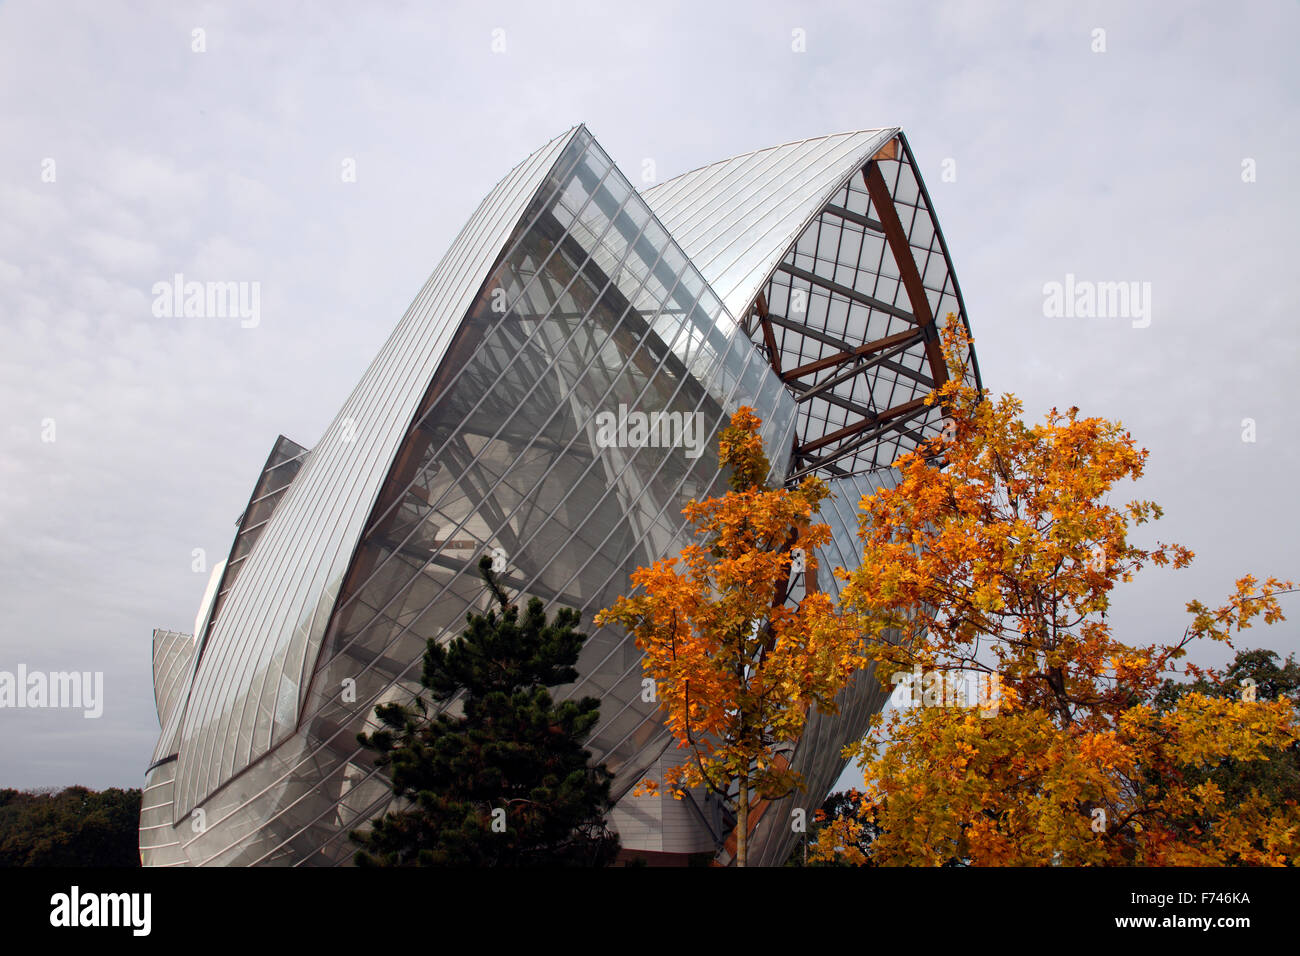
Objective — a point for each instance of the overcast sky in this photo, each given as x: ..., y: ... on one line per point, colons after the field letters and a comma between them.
x: 126, y: 156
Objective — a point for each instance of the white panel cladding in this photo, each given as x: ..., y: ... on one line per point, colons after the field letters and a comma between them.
x: 736, y: 218
x: 661, y: 823
x: 172, y: 654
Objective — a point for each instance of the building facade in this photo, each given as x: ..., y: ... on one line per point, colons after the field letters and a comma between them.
x: 803, y: 280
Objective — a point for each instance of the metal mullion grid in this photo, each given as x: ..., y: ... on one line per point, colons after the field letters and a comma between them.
x: 278, y: 489
x: 825, y: 406
x: 923, y: 195
x: 373, y: 807
x: 890, y: 433
x: 834, y: 277
x: 683, y: 326
x: 401, y: 677
x: 577, y: 329
x: 916, y: 387
x: 816, y: 258
x: 637, y: 543
x: 610, y: 720
x: 921, y: 214
x: 434, y: 506
x: 596, y: 551
x: 427, y: 295
x: 857, y: 190
x: 489, y: 335
x: 767, y: 295
x: 900, y: 289
x: 880, y: 264
x: 320, y: 506
x: 807, y: 350
x: 839, y: 263
x: 285, y: 663
x: 649, y: 526
x: 869, y: 400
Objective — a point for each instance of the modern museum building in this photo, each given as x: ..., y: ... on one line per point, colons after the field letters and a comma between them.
x: 803, y: 280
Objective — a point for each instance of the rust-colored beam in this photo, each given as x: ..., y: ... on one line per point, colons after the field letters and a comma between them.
x: 861, y: 351
x: 856, y: 427
x: 773, y: 353
x: 888, y: 151
x: 867, y: 440
x: 883, y: 203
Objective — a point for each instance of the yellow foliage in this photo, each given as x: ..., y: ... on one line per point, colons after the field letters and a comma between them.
x: 998, y: 545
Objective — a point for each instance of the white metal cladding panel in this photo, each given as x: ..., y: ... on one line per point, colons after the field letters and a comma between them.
x: 247, y: 690
x: 736, y: 218
x: 172, y: 654
x: 160, y: 844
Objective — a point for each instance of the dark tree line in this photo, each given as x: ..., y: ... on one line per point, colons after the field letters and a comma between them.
x: 72, y: 827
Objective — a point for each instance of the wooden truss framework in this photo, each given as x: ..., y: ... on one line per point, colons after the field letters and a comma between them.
x: 865, y: 425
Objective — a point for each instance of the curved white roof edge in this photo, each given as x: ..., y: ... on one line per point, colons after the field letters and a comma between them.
x: 736, y: 218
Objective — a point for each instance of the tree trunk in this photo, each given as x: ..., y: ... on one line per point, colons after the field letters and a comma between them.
x: 742, y: 832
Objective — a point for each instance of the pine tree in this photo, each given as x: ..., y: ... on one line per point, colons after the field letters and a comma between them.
x: 506, y: 782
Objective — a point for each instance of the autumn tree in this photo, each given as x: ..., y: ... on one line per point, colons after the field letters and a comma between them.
x: 838, y: 807
x: 505, y: 782
x: 995, y: 556
x: 1251, y: 675
x: 736, y: 662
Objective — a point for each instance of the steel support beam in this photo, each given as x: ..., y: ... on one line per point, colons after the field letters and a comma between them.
x: 909, y: 336
x: 851, y: 294
x: 858, y: 427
